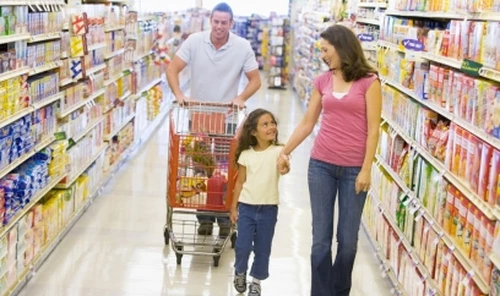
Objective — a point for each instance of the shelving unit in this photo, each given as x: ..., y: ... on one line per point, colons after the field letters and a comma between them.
x: 277, y: 66
x: 367, y: 26
x: 417, y: 107
x: 66, y: 113
x: 433, y: 209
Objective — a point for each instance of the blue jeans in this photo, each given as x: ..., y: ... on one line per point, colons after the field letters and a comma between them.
x: 325, y: 182
x: 256, y: 225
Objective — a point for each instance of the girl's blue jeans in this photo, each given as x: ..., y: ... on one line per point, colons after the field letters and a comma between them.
x: 256, y: 225
x: 326, y: 183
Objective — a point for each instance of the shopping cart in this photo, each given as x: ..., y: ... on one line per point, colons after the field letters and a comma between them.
x: 201, y: 176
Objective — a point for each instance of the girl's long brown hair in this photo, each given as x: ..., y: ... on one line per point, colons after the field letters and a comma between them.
x: 246, y: 139
x: 354, y: 65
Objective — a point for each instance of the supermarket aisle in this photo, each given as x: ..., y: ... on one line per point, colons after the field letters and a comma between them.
x: 117, y: 248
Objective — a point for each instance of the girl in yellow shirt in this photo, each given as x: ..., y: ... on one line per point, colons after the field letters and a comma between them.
x: 256, y: 198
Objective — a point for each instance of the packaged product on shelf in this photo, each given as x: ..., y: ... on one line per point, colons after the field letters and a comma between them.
x: 50, y: 216
x: 155, y: 101
x: 493, y: 193
x: 66, y: 205
x: 82, y: 190
x: 14, y: 98
x: 94, y: 59
x: 43, y: 86
x: 96, y: 32
x: 115, y: 66
x: 43, y: 53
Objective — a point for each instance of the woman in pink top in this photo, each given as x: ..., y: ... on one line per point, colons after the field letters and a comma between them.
x: 349, y: 97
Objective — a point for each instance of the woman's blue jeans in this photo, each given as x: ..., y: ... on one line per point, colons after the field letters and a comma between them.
x: 326, y: 183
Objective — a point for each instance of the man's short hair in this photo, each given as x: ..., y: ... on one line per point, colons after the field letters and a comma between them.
x: 223, y: 7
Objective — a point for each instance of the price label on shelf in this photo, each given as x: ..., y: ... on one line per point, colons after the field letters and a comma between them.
x: 467, y: 278
x: 471, y: 68
x: 419, y: 215
x: 413, y: 45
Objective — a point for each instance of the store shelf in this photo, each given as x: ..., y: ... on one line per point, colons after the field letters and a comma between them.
x: 79, y: 105
x: 442, y: 60
x: 95, y: 69
x: 412, y: 252
x: 372, y: 5
x: 89, y: 128
x: 491, y: 74
x: 66, y: 81
x: 64, y: 55
x: 44, y: 253
x: 14, y: 73
x: 368, y: 21
x: 426, y: 14
x: 494, y: 142
x: 369, y: 46
x: 16, y: 163
x: 148, y: 131
x: 113, y: 79
x: 464, y: 261
x: 15, y: 117
x: 390, y: 45
x: 110, y: 136
x: 96, y: 46
x: 141, y: 56
x: 113, y: 105
x: 388, y: 270
x: 44, y: 37
x: 38, y: 196
x: 114, y: 53
x: 82, y: 169
x: 14, y: 37
x: 115, y: 28
x: 44, y: 68
x: 479, y: 16
x: 147, y: 87
x: 45, y: 143
x: 49, y: 100
x: 485, y: 72
x: 447, y: 174
x: 495, y: 259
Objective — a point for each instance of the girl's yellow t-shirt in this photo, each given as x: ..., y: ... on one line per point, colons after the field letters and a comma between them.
x: 261, y: 185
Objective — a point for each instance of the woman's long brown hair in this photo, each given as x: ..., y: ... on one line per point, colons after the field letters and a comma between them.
x: 354, y: 65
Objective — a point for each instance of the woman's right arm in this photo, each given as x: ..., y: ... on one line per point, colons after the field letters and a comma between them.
x: 306, y: 126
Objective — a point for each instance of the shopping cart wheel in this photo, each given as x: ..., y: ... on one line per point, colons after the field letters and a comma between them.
x: 179, y: 256
x: 166, y: 236
x: 233, y: 240
x: 216, y: 257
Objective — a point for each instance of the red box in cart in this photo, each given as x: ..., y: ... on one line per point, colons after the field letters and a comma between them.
x: 212, y: 123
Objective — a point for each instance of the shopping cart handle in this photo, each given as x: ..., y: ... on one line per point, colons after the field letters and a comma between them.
x: 209, y: 104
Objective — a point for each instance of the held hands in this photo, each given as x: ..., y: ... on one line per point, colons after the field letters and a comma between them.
x: 233, y: 215
x: 363, y: 181
x: 283, y: 164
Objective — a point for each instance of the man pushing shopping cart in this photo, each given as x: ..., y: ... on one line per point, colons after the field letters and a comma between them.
x: 217, y: 59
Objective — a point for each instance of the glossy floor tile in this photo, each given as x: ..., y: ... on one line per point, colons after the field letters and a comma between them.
x: 117, y: 247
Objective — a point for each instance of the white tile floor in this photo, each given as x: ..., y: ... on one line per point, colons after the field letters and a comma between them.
x: 117, y: 247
